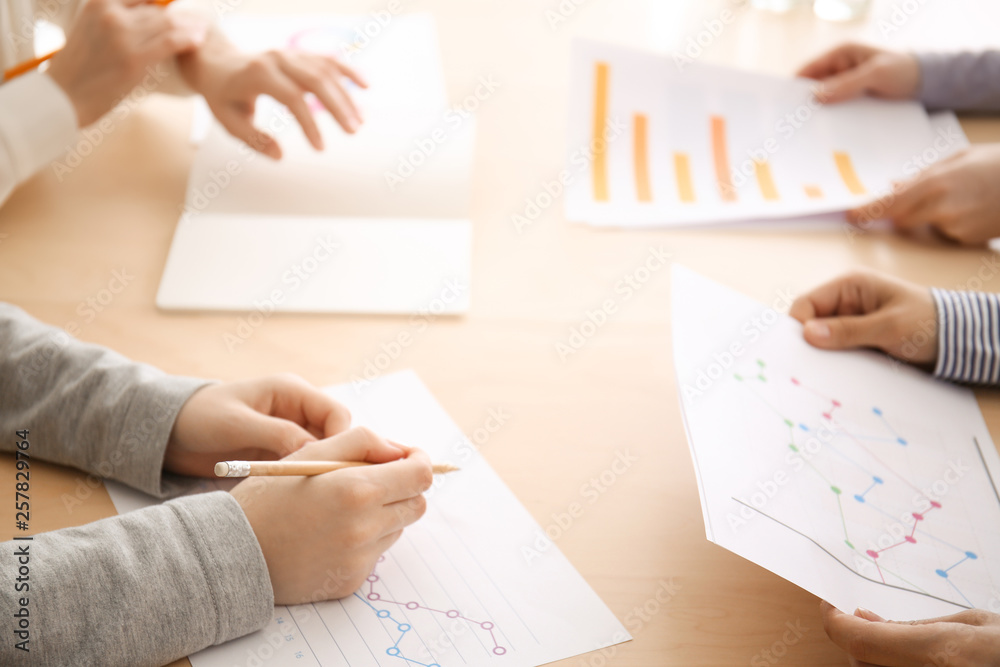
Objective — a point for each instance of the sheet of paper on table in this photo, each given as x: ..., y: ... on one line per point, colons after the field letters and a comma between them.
x: 408, y: 165
x: 657, y: 142
x: 864, y: 481
x: 466, y: 585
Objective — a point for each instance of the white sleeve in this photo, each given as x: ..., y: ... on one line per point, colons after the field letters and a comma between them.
x: 37, y: 122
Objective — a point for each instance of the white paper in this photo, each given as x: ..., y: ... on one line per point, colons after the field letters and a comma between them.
x: 773, y: 132
x: 893, y: 441
x: 458, y: 580
x: 405, y: 172
x: 311, y: 264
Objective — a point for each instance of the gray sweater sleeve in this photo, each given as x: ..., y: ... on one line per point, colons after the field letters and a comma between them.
x: 962, y: 81
x: 86, y: 406
x: 142, y: 588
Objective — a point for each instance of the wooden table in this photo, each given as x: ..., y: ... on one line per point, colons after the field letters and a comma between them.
x: 61, y: 241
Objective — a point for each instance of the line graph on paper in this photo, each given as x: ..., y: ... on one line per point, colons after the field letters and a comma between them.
x: 878, y: 490
x: 426, y: 603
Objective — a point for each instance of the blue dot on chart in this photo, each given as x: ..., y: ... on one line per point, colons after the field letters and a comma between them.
x: 404, y: 627
x: 860, y: 498
x: 901, y: 441
x: 803, y: 427
x: 392, y: 650
x: 970, y: 555
x: 877, y: 411
x: 877, y: 480
x: 941, y: 573
x: 382, y: 613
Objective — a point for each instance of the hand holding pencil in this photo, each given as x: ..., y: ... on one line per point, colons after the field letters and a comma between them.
x: 340, y: 524
x: 114, y: 46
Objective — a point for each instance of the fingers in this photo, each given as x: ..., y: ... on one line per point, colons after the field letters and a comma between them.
x: 833, y: 62
x: 853, y: 294
x: 347, y: 71
x: 402, y: 479
x: 897, y: 206
x: 328, y: 90
x: 278, y: 86
x: 356, y: 444
x: 239, y: 123
x: 888, y: 644
x: 847, y: 85
x: 271, y: 434
x: 404, y: 513
x: 295, y: 399
x: 843, y: 333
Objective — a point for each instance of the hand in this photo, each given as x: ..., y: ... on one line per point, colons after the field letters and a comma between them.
x: 253, y: 420
x: 866, y: 309
x: 321, y: 535
x: 231, y: 81
x: 956, y: 196
x: 852, y: 70
x: 967, y: 639
x: 110, y: 46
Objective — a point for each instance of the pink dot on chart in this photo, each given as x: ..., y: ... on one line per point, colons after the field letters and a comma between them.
x: 451, y: 614
x: 918, y: 517
x: 936, y: 504
x: 412, y: 605
x: 381, y: 559
x: 794, y: 381
x: 826, y: 415
x: 499, y: 650
x: 486, y: 625
x: 911, y: 539
x: 872, y: 553
x: 374, y: 596
x: 372, y: 578
x: 836, y: 404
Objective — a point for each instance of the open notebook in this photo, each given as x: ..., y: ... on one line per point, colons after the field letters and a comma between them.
x: 375, y: 223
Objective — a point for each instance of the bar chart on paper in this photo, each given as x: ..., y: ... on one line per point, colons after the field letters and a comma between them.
x: 865, y: 483
x: 655, y: 143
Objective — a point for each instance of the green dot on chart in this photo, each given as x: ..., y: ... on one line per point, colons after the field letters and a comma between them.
x: 738, y: 377
x: 835, y: 490
x: 762, y: 378
x: 848, y: 543
x: 760, y: 362
x: 792, y: 447
x: 788, y: 422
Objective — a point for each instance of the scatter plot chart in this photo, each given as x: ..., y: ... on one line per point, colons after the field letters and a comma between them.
x: 866, y: 483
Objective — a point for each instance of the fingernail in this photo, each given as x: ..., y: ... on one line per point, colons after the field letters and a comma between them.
x: 818, y: 329
x: 867, y: 614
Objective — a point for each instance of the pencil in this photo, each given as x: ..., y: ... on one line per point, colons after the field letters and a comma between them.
x: 304, y: 468
x: 28, y: 65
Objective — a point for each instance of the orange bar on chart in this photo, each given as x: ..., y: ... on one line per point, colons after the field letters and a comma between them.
x: 765, y: 180
x: 640, y: 152
x: 720, y: 156
x: 847, y: 173
x: 813, y: 191
x: 599, y: 167
x: 682, y: 169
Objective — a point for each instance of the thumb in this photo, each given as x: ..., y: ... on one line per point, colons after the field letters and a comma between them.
x: 273, y: 434
x: 240, y: 125
x: 845, y: 86
x: 356, y: 444
x: 841, y: 333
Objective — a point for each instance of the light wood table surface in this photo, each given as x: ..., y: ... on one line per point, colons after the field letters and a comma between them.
x: 61, y: 241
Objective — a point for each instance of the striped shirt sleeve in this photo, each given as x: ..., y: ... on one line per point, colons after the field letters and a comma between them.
x: 969, y: 336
